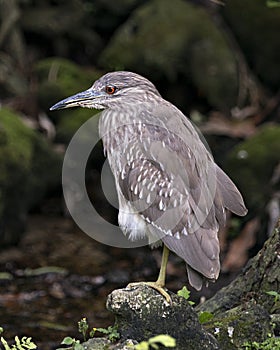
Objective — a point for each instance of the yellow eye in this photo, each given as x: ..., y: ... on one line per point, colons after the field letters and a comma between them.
x: 110, y: 89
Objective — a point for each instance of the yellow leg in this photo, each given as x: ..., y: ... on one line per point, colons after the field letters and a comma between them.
x: 162, y: 272
x: 160, y: 282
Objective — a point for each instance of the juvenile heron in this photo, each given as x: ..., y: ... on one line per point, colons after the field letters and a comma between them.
x: 169, y: 187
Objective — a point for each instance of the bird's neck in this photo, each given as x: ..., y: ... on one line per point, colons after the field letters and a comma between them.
x: 115, y: 128
x: 121, y: 124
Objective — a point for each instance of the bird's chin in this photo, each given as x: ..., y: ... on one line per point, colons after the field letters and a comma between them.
x: 92, y: 105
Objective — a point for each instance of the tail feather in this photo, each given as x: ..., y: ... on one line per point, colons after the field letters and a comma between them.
x: 231, y: 196
x: 200, y: 250
x: 195, y: 278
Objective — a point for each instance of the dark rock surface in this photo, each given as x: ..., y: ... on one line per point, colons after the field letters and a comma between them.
x: 141, y: 313
x: 248, y: 322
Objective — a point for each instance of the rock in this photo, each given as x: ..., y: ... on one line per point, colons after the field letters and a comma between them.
x: 60, y: 78
x: 248, y: 322
x: 24, y: 158
x: 241, y: 312
x: 254, y: 157
x: 65, y: 30
x: 257, y: 32
x: 104, y: 344
x: 71, y: 120
x: 96, y: 344
x: 259, y: 276
x: 187, y: 45
x: 275, y: 320
x: 141, y: 313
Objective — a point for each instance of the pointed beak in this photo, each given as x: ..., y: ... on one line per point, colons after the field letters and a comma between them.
x: 82, y: 99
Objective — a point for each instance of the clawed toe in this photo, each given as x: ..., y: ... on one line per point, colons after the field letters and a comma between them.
x: 155, y: 286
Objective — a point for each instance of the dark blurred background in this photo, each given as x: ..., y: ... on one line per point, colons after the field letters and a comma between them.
x: 218, y: 63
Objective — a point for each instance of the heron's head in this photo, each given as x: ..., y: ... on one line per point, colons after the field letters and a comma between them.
x: 111, y: 90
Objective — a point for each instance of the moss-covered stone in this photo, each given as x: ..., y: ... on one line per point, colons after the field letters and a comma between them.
x: 260, y: 276
x: 105, y: 344
x: 256, y: 27
x: 97, y: 344
x: 24, y: 158
x: 164, y: 38
x: 251, y: 165
x: 71, y: 120
x: 246, y: 323
x: 60, y: 78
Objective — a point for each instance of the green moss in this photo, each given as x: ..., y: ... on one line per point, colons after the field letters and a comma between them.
x: 256, y: 27
x: 174, y: 38
x: 16, y: 153
x: 271, y: 343
x: 71, y: 120
x: 251, y: 165
x: 16, y: 142
x: 60, y: 78
x: 40, y: 180
x: 247, y: 322
x: 24, y: 158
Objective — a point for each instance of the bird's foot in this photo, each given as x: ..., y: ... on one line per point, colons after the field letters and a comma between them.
x: 155, y: 285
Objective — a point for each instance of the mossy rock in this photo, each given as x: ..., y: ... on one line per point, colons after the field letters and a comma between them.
x: 96, y: 344
x: 72, y: 119
x: 176, y: 38
x: 60, y: 78
x: 24, y: 158
x: 256, y: 27
x: 247, y: 322
x: 251, y: 164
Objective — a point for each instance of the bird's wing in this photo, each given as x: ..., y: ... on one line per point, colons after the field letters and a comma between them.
x: 164, y: 183
x: 174, y: 215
